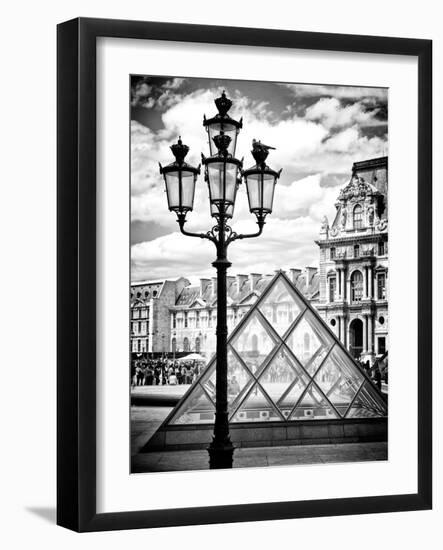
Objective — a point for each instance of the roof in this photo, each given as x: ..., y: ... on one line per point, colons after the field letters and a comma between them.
x: 247, y: 292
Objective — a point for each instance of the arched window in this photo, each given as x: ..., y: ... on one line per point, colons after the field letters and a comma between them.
x: 356, y: 286
x: 358, y: 217
x: 174, y: 345
x: 197, y: 345
x: 186, y: 344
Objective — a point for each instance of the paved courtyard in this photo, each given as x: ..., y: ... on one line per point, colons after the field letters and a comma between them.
x: 262, y: 456
x: 149, y: 413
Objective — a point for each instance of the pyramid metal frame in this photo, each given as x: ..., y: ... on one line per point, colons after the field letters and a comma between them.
x: 280, y: 343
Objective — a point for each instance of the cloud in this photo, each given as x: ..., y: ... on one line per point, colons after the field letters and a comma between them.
x: 342, y: 92
x: 323, y: 141
x: 332, y: 114
x: 288, y: 243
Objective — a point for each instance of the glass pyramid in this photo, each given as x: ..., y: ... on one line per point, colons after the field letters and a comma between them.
x: 284, y: 365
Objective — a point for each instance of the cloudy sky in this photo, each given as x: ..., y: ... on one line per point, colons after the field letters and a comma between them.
x: 318, y: 132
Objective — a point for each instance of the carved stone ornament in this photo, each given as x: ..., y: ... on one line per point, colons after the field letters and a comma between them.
x: 357, y: 189
x: 382, y: 225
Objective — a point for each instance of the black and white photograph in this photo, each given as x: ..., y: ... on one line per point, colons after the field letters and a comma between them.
x: 259, y: 319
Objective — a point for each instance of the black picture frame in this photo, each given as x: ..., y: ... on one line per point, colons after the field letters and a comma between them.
x: 76, y: 281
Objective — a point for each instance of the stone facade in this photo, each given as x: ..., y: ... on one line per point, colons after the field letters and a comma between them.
x: 353, y: 297
x: 150, y: 317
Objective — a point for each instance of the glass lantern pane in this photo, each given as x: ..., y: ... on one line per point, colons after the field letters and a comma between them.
x: 253, y: 343
x: 253, y: 187
x: 278, y: 375
x: 256, y: 408
x: 196, y: 409
x: 268, y: 192
x: 339, y: 378
x: 310, y: 342
x: 238, y: 380
x: 172, y: 189
x: 312, y: 406
x: 281, y: 307
x: 216, y: 183
x: 229, y: 129
x: 231, y: 182
x: 222, y: 181
x: 367, y: 404
x: 188, y: 188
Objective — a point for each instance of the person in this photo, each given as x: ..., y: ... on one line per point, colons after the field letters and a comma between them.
x: 157, y: 375
x: 183, y: 374
x: 172, y: 379
x: 149, y: 376
x: 140, y: 375
x: 133, y: 375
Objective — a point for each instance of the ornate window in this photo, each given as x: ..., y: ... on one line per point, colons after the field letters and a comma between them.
x: 174, y: 345
x: 332, y: 288
x: 356, y: 286
x: 358, y: 217
x: 332, y: 253
x: 356, y: 251
x: 381, y: 286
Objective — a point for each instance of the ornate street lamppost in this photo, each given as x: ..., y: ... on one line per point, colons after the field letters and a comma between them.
x: 223, y: 174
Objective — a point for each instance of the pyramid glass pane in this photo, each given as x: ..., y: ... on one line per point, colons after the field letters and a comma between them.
x: 312, y: 406
x: 367, y: 404
x: 255, y: 408
x: 339, y: 379
x: 254, y: 343
x: 238, y: 379
x: 278, y: 375
x: 292, y: 395
x: 281, y: 307
x: 197, y: 408
x: 310, y: 342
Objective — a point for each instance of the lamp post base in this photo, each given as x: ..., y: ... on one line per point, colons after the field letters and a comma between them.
x: 220, y: 455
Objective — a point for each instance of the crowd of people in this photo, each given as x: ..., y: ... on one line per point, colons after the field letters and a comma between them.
x: 161, y: 372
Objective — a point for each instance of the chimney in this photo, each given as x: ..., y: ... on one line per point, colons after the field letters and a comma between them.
x: 214, y: 287
x: 204, y: 283
x: 253, y: 279
x: 240, y: 279
x: 309, y: 274
x: 231, y: 287
x: 295, y: 274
